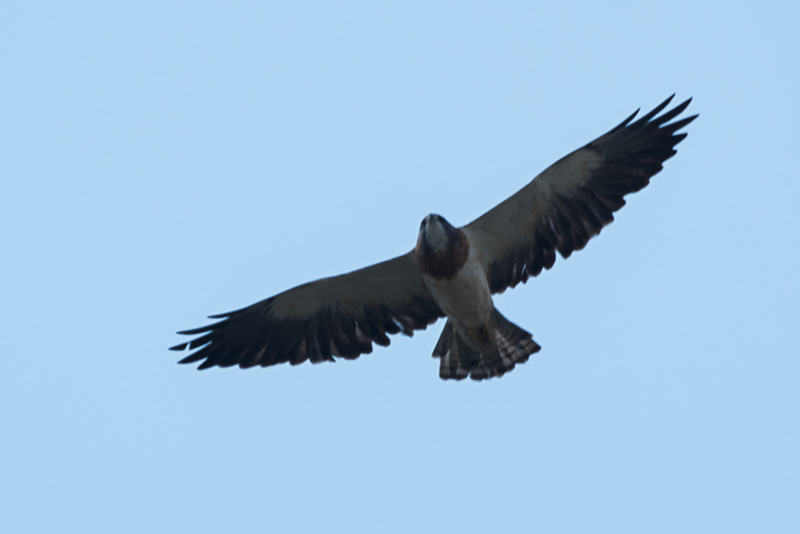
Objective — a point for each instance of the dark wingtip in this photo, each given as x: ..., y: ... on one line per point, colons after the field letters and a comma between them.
x: 195, y: 331
x: 679, y: 125
x: 181, y: 346
x: 190, y: 359
x: 662, y: 105
x: 658, y: 109
x: 677, y: 110
x: 626, y: 121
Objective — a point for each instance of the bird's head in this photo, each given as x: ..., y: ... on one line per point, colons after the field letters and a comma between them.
x: 436, y: 234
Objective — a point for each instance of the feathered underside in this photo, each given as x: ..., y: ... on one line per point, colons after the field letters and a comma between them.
x: 342, y: 316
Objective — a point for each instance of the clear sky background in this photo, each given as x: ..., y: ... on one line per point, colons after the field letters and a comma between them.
x: 163, y: 161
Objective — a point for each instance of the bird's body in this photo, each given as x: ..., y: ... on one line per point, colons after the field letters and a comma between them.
x: 452, y: 272
x: 465, y: 298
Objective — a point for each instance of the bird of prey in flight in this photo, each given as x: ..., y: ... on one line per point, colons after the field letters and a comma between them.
x: 452, y: 272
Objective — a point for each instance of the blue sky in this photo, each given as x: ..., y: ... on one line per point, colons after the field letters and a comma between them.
x: 163, y: 161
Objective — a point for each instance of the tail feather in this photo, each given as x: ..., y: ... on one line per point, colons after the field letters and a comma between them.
x: 510, y: 345
x: 457, y: 357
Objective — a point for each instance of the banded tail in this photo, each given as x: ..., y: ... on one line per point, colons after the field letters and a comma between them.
x: 510, y: 345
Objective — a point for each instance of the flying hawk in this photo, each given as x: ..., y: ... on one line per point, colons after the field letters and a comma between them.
x: 452, y: 272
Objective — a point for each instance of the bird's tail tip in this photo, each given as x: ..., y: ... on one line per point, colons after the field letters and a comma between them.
x: 510, y: 346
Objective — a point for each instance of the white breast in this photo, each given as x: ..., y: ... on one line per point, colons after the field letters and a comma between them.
x: 465, y: 299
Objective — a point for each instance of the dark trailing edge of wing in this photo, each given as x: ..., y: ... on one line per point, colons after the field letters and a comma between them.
x: 632, y: 153
x: 251, y: 336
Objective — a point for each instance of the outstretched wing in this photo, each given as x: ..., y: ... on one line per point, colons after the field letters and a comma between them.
x: 573, y: 199
x: 337, y: 316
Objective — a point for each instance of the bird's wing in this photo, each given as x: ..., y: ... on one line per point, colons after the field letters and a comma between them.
x: 573, y: 199
x: 337, y: 316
